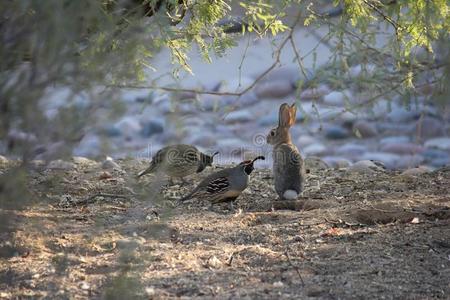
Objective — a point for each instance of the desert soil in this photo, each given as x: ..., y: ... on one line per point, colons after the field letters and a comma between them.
x: 91, y: 233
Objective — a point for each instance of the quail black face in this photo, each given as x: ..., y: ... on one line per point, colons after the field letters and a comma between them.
x: 205, y: 161
x: 248, y: 169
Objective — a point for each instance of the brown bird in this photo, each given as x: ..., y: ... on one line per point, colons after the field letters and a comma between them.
x: 178, y: 161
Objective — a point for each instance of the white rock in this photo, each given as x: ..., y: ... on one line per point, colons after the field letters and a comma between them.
x: 416, y: 171
x: 337, y: 98
x: 315, y: 163
x: 109, y: 163
x: 79, y: 160
x: 60, y: 165
x: 389, y: 159
x: 314, y: 149
x: 365, y: 167
x: 239, y: 116
x: 129, y: 126
x: 305, y: 140
x: 442, y: 143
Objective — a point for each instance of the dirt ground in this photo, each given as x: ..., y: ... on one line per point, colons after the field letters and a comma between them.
x: 91, y: 233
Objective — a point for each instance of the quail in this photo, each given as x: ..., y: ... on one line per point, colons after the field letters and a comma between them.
x: 178, y: 161
x: 225, y: 185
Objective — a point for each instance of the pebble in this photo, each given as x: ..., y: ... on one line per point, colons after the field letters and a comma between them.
x: 351, y: 149
x: 336, y: 132
x: 429, y: 127
x: 150, y: 128
x: 128, y: 126
x: 3, y: 160
x: 337, y: 98
x: 305, y: 140
x: 408, y: 161
x: 315, y: 163
x: 60, y: 165
x: 389, y: 159
x: 337, y: 162
x: 315, y: 93
x: 402, y: 148
x: 394, y: 139
x: 315, y: 149
x: 416, y: 171
x: 365, y: 167
x: 109, y: 163
x: 274, y: 89
x: 442, y: 143
x: 364, y: 129
x: 80, y: 160
x: 239, y: 116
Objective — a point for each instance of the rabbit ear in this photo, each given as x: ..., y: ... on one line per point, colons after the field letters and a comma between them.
x: 292, y: 114
x: 284, y: 115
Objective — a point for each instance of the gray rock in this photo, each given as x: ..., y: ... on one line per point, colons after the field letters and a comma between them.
x: 274, y: 89
x: 315, y: 163
x: 315, y: 149
x: 305, y: 140
x: 416, y: 171
x: 440, y: 162
x: 79, y: 160
x: 408, y: 161
x: 270, y: 119
x: 399, y: 114
x: 337, y: 162
x: 337, y: 98
x: 150, y: 128
x: 336, y: 132
x: 402, y: 148
x: 365, y: 167
x: 109, y: 163
x: 429, y: 127
x: 431, y: 154
x: 364, y: 129
x: 395, y: 139
x: 3, y: 160
x: 315, y: 93
x: 442, y: 143
x: 60, y: 165
x: 239, y: 116
x: 129, y: 126
x: 204, y: 140
x: 89, y: 146
x: 351, y: 149
x: 388, y: 159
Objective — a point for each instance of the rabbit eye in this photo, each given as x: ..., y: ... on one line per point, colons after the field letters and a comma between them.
x: 272, y: 133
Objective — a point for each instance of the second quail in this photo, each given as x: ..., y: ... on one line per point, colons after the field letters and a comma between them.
x: 178, y: 161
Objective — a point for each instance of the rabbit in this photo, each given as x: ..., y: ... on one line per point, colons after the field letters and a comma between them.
x: 288, y: 166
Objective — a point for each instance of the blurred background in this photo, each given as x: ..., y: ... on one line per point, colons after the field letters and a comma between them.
x: 125, y: 78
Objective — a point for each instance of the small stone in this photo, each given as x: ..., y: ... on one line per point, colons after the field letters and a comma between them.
x: 305, y: 140
x: 351, y: 150
x: 80, y: 160
x: 214, y: 262
x: 60, y: 165
x: 315, y: 149
x: 150, y: 291
x: 150, y: 128
x: 364, y: 129
x: 336, y: 132
x: 278, y: 284
x: 85, y: 286
x: 337, y: 162
x: 109, y: 163
x: 402, y: 148
x: 274, y: 89
x: 429, y: 127
x: 365, y: 167
x: 3, y: 160
x: 239, y: 116
x: 129, y: 126
x: 389, y: 159
x: 394, y: 139
x: 337, y: 98
x: 315, y: 163
x: 442, y: 143
x: 416, y: 171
